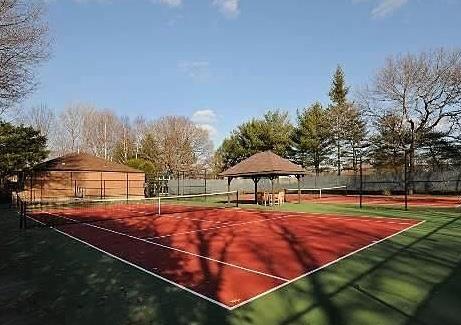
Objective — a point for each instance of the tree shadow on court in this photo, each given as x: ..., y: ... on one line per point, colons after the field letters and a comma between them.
x: 307, y: 261
x: 385, y: 286
x: 48, y: 279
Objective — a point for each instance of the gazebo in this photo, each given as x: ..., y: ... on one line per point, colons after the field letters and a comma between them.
x: 264, y: 165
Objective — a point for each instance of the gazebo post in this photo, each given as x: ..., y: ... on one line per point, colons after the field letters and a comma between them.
x: 298, y: 177
x: 272, y: 189
x: 229, y: 180
x: 256, y: 180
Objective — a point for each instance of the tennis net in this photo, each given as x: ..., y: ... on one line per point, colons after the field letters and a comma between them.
x: 320, y: 192
x: 195, y: 202
x: 61, y: 213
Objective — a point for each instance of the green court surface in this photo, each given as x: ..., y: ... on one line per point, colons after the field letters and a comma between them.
x: 412, y: 278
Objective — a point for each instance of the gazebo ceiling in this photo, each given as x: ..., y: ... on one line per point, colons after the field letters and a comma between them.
x: 264, y: 164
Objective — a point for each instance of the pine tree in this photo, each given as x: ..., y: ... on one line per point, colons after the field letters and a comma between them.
x: 339, y: 90
x: 338, y: 112
x: 21, y: 147
x: 312, y: 137
x: 271, y: 132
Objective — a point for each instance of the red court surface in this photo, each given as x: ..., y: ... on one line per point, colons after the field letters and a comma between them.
x: 413, y: 200
x: 227, y: 256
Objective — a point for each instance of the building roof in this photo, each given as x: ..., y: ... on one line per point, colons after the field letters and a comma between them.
x: 83, y: 162
x: 264, y: 163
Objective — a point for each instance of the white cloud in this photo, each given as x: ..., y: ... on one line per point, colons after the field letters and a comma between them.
x: 386, y: 7
x: 86, y: 1
x: 196, y: 70
x: 206, y: 119
x: 205, y: 116
x: 170, y: 3
x: 230, y: 8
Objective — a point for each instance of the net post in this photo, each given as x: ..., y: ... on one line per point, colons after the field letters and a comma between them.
x: 405, y: 179
x: 21, y: 220
x: 22, y: 215
x: 25, y: 215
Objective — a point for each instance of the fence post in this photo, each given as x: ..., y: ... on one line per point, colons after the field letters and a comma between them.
x: 178, y: 185
x: 205, y: 181
x: 101, y: 186
x: 361, y: 183
x: 127, y: 187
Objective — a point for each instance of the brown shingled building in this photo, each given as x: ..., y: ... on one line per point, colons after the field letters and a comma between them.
x: 81, y: 175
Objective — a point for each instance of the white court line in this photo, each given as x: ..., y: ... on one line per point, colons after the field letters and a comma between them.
x: 322, y: 267
x: 136, y: 266
x: 225, y: 225
x: 287, y: 282
x: 176, y: 249
x: 322, y: 215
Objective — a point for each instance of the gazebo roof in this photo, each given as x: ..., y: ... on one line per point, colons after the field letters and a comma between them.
x: 264, y: 163
x: 83, y: 162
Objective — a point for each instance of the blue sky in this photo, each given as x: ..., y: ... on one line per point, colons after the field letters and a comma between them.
x: 221, y: 62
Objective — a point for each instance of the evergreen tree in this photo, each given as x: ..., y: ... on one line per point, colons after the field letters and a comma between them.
x: 312, y: 137
x: 338, y: 113
x: 21, y: 147
x: 272, y: 132
x: 339, y: 90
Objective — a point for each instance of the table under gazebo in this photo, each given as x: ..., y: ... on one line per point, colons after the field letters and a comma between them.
x: 264, y: 165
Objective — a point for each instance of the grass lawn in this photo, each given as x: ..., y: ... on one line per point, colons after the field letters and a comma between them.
x: 412, y: 278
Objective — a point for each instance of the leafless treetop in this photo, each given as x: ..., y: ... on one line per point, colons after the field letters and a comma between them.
x: 24, y: 44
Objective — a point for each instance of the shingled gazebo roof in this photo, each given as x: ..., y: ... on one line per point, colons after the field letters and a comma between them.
x: 83, y: 162
x: 263, y: 164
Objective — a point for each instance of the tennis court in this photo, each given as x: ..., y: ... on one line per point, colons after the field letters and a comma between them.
x: 386, y: 200
x: 213, y: 249
x: 340, y: 195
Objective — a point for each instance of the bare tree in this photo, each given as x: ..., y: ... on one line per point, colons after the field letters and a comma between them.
x: 102, y: 131
x: 139, y: 129
x: 423, y: 90
x: 70, y: 127
x: 24, y: 44
x: 125, y: 147
x: 40, y: 117
x: 176, y: 143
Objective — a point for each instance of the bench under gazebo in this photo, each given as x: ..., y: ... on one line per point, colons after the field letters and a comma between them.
x: 264, y: 164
